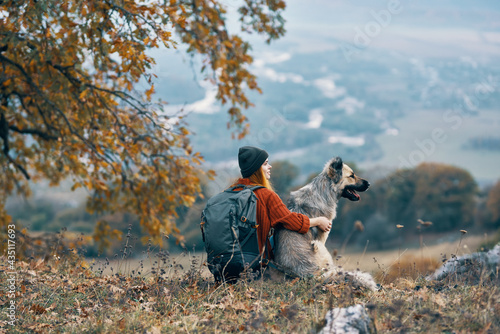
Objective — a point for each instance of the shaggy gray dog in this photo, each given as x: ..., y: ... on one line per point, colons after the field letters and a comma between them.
x: 305, y: 255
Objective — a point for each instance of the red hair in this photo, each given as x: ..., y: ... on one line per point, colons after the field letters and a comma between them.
x: 258, y: 178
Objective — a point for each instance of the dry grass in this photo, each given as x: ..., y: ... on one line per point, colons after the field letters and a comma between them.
x: 375, y: 262
x: 409, y: 267
x: 166, y: 293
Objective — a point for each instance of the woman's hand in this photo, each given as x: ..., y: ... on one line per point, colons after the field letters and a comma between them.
x: 323, y: 223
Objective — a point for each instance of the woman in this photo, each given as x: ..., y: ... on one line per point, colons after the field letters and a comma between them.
x: 271, y: 211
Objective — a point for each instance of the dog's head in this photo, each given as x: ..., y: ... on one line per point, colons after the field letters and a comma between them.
x: 344, y: 181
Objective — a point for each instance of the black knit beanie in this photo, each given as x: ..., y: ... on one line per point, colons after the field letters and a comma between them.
x: 250, y: 159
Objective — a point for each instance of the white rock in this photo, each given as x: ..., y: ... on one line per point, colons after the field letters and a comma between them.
x: 461, y: 264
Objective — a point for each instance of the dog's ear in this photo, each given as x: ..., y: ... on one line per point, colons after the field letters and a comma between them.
x: 337, y: 164
x: 336, y: 169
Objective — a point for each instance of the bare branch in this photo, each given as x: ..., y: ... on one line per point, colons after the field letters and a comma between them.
x: 4, y: 134
x: 39, y: 133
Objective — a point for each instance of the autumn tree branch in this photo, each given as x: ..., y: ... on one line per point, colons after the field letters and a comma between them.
x: 4, y: 134
x: 39, y: 133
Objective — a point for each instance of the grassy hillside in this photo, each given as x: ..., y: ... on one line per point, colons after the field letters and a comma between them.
x: 172, y: 294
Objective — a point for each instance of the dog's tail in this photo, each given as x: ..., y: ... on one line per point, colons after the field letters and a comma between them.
x: 356, y: 278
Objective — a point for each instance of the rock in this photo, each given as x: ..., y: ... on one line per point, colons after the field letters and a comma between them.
x: 353, y: 319
x: 470, y: 266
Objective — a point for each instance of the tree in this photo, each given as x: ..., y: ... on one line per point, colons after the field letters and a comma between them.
x: 493, y: 204
x: 378, y: 232
x: 284, y: 173
x: 71, y: 107
x: 445, y: 195
x: 398, y: 191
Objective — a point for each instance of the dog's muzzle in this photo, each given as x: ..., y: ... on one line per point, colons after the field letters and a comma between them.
x: 350, y: 191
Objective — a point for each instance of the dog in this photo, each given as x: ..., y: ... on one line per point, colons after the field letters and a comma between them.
x: 303, y: 255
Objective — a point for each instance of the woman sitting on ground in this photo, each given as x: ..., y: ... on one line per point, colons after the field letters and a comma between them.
x: 271, y: 211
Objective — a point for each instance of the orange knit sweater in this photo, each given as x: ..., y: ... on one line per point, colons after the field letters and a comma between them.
x: 271, y: 211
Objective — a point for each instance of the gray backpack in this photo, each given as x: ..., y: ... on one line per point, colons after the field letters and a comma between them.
x: 229, y: 230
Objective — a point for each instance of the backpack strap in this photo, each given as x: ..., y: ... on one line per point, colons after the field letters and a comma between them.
x: 254, y: 231
x: 232, y: 189
x: 266, y: 249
